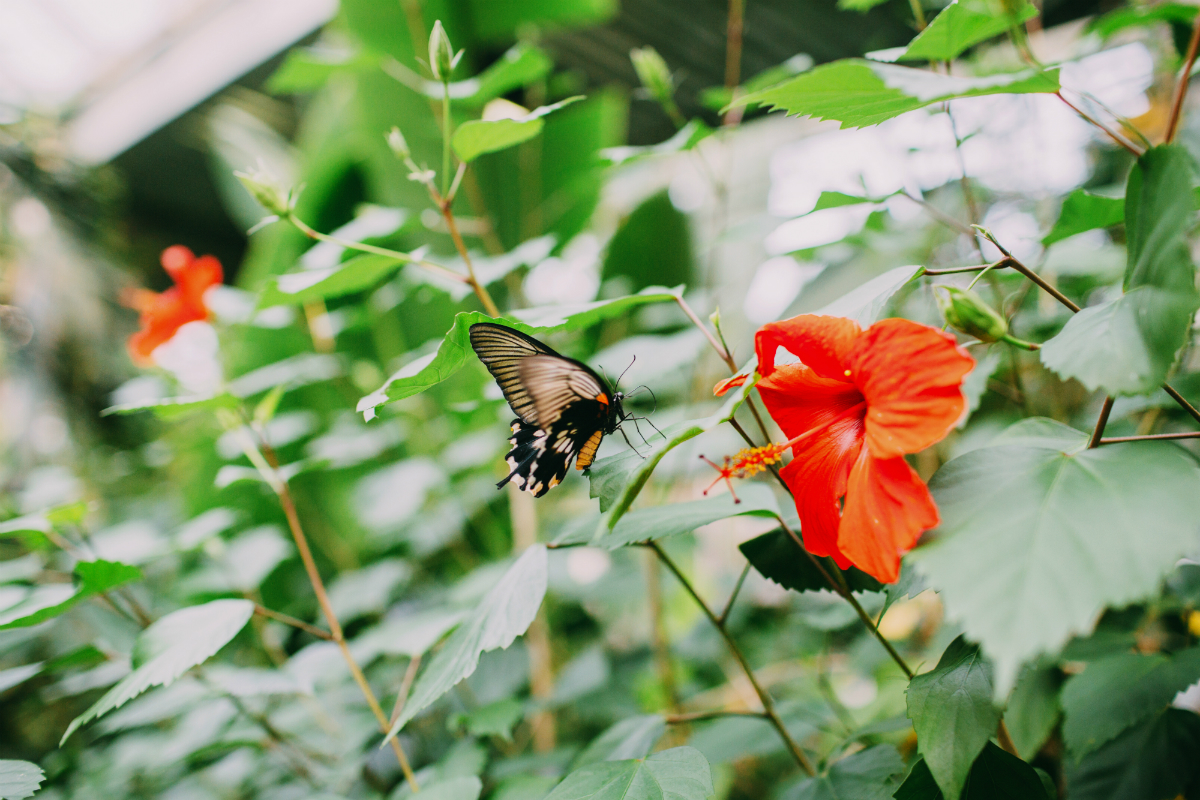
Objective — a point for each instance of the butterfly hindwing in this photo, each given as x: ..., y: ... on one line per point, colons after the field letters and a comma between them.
x: 564, y: 409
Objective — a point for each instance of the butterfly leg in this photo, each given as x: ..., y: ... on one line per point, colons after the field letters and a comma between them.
x: 631, y: 446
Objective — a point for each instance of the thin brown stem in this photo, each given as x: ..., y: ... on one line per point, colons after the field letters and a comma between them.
x: 1181, y: 83
x: 407, y: 258
x: 410, y: 675
x: 735, y: 26
x: 737, y: 587
x: 1116, y: 137
x: 712, y: 340
x: 314, y: 576
x: 1101, y: 423
x: 716, y: 713
x: 1001, y: 264
x: 1151, y: 437
x: 918, y: 13
x: 1178, y: 398
x: 940, y: 215
x: 295, y: 623
x: 480, y: 290
x: 764, y: 697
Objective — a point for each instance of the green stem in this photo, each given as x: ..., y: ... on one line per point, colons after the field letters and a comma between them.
x: 406, y: 258
x: 447, y: 130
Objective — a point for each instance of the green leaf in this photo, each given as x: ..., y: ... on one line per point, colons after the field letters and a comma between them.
x: 857, y: 93
x: 952, y: 712
x: 869, y: 774
x: 962, y: 24
x: 1155, y: 759
x: 478, y: 136
x: 1084, y: 211
x: 860, y: 6
x: 1130, y: 16
x: 632, y: 481
x: 680, y: 773
x: 169, y: 648
x: 19, y: 779
x: 173, y: 407
x: 634, y: 737
x: 1129, y: 344
x: 839, y: 199
x: 306, y: 286
x: 866, y: 304
x: 494, y: 719
x: 1033, y: 709
x: 466, y: 787
x: 1037, y: 537
x: 714, y: 98
x: 521, y: 65
x: 51, y: 600
x: 306, y: 69
x: 778, y: 558
x: 1121, y: 690
x: 504, y: 614
x: 492, y: 21
x: 996, y: 775
x: 455, y: 349
x: 659, y: 522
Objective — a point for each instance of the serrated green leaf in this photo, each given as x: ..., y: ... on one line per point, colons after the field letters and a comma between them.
x: 172, y: 407
x: 307, y: 286
x: 1084, y: 211
x: 1129, y: 344
x: 996, y: 775
x: 714, y: 98
x: 455, y: 349
x: 1154, y: 759
x: 51, y: 600
x: 964, y: 23
x: 1036, y: 539
x: 505, y: 613
x: 169, y: 648
x: 659, y: 522
x: 478, y: 136
x: 952, y: 712
x: 634, y: 737
x: 1033, y: 709
x: 680, y: 773
x: 779, y: 559
x: 869, y: 774
x: 858, y: 93
x: 19, y: 779
x: 1119, y: 691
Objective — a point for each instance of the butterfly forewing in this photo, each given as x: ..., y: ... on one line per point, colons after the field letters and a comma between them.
x: 564, y: 408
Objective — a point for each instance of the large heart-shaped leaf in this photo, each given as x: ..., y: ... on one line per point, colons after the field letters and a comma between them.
x: 869, y: 774
x: 1038, y: 536
x: 681, y: 773
x: 952, y: 712
x: 996, y: 775
x: 630, y: 738
x: 1154, y: 759
x: 1128, y: 345
x: 169, y: 648
x: 858, y: 93
x: 1119, y: 691
x: 455, y: 349
x: 505, y: 613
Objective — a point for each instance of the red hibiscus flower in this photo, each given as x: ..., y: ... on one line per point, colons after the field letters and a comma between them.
x: 857, y: 402
x: 163, y: 314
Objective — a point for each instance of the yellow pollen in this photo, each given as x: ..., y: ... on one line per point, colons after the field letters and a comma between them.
x: 846, y: 373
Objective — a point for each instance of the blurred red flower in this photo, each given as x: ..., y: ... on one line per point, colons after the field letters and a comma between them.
x: 163, y: 314
x: 857, y: 402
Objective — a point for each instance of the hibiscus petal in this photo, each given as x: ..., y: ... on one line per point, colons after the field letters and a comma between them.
x: 911, y: 376
x: 887, y: 507
x: 817, y: 478
x: 800, y: 400
x: 820, y: 343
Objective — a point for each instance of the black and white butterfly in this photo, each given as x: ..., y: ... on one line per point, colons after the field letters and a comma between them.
x: 564, y: 409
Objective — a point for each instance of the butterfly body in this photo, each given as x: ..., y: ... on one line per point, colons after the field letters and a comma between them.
x: 564, y: 409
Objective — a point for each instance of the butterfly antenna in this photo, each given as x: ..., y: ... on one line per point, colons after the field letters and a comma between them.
x: 622, y: 375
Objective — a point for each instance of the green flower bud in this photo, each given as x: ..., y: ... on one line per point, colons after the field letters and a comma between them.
x: 654, y: 75
x: 265, y: 188
x: 967, y: 312
x: 399, y: 145
x: 442, y: 58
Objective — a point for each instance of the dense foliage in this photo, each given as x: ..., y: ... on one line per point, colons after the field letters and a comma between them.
x: 296, y: 578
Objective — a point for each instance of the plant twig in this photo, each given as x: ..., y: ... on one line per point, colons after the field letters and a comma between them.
x: 1178, y: 398
x: 700, y: 716
x: 480, y: 290
x: 410, y: 675
x: 1151, y: 437
x: 407, y: 258
x: 1116, y: 137
x: 712, y: 340
x: 735, y: 25
x: 737, y: 587
x: 283, y: 492
x: 295, y: 623
x: 1001, y: 264
x: 940, y: 215
x: 1181, y: 83
x: 1105, y: 410
x: 764, y: 697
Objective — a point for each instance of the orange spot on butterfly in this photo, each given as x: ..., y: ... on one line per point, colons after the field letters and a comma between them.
x: 602, y: 398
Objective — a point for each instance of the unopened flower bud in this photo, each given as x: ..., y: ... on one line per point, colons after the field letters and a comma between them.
x: 265, y: 188
x: 654, y: 75
x: 399, y: 145
x: 442, y: 58
x: 967, y: 312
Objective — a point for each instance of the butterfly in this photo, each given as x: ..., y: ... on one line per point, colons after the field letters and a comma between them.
x: 564, y: 409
